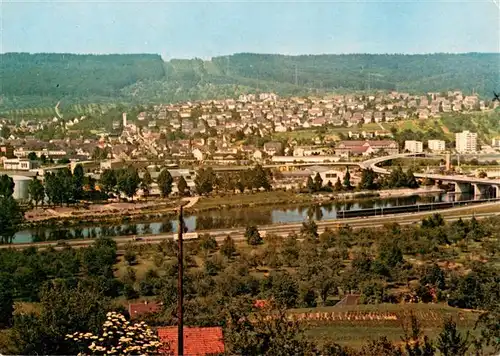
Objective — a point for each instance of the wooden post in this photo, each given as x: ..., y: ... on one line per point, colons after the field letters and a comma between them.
x: 180, y: 297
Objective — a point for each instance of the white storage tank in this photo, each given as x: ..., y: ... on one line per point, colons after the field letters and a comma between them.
x: 21, y: 191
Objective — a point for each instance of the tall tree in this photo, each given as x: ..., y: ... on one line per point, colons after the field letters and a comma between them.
x: 318, y: 182
x: 146, y: 182
x: 182, y: 186
x: 108, y: 181
x: 310, y: 185
x: 6, y: 299
x: 228, y: 248
x: 127, y: 181
x: 11, y: 216
x: 6, y: 186
x: 78, y: 181
x: 450, y: 342
x: 338, y: 185
x: 252, y: 235
x: 32, y: 156
x: 165, y: 182
x: 347, y: 179
x: 367, y: 181
x: 36, y: 191
x: 59, y: 186
x: 205, y: 180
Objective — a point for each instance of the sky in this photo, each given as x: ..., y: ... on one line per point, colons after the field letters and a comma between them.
x: 205, y: 29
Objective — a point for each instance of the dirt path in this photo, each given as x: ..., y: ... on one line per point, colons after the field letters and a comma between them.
x: 191, y: 201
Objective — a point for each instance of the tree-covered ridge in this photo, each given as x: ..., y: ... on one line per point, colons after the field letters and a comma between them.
x: 75, y: 76
x: 41, y: 79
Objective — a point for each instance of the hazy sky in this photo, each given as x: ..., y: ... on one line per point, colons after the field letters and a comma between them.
x: 205, y: 29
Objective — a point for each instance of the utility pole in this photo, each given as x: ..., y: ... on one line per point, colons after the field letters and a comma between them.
x: 180, y: 296
x: 296, y: 77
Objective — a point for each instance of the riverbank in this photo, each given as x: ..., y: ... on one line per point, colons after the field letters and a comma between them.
x: 276, y: 198
x: 158, y: 209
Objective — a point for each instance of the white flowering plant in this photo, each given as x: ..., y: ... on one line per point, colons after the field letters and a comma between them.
x: 118, y: 336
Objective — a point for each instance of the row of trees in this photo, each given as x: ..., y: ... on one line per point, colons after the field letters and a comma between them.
x: 11, y: 215
x: 396, y: 179
x: 254, y: 178
x: 316, y: 184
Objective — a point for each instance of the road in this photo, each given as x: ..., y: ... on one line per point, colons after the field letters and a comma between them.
x: 237, y: 234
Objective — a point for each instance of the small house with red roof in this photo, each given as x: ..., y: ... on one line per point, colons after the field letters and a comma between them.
x: 197, y: 341
x: 135, y: 310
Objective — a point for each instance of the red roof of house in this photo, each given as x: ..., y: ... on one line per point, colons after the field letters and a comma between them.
x: 261, y: 303
x: 138, y: 309
x: 197, y: 341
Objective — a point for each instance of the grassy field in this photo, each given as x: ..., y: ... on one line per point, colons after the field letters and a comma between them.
x: 259, y: 198
x: 356, y: 333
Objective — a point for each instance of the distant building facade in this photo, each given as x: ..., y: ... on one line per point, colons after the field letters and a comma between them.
x: 436, y: 145
x: 414, y: 146
x: 466, y: 141
x: 19, y: 164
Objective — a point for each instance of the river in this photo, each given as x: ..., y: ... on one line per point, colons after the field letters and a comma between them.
x: 227, y: 218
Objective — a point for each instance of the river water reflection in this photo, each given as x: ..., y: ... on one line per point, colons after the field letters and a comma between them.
x: 227, y: 218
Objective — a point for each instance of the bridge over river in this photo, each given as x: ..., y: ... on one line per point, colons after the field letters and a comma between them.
x: 463, y: 184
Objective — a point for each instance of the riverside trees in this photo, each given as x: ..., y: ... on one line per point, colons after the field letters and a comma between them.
x: 227, y: 279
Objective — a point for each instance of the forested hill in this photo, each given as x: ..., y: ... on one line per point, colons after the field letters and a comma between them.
x: 44, y: 79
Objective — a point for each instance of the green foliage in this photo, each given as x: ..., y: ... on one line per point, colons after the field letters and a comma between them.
x: 108, y: 180
x: 165, y: 181
x: 266, y: 332
x: 78, y: 181
x: 208, y: 243
x: 182, y: 186
x: 11, y: 217
x: 399, y: 179
x: 310, y: 185
x: 373, y: 292
x: 127, y: 181
x: 59, y: 187
x: 6, y: 186
x: 36, y: 191
x: 347, y: 180
x: 368, y: 180
x: 139, y: 78
x: 450, y: 342
x: 146, y: 182
x: 93, y: 77
x: 205, y: 180
x: 309, y: 229
x: 6, y: 299
x: 318, y: 182
x: 284, y: 289
x: 228, y: 247
x: 433, y: 221
x: 252, y: 235
x: 130, y: 256
x: 390, y: 254
x: 65, y: 309
x: 338, y: 185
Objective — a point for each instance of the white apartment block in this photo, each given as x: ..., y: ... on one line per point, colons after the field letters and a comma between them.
x: 436, y: 145
x: 414, y: 146
x: 466, y: 141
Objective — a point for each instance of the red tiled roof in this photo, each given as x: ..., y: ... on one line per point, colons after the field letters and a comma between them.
x: 197, y: 341
x: 261, y: 303
x: 138, y: 309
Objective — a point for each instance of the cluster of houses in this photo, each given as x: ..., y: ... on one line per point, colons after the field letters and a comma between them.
x: 286, y: 114
x: 212, y: 131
